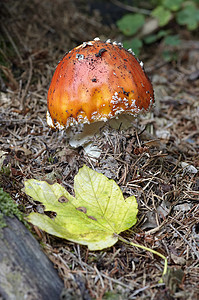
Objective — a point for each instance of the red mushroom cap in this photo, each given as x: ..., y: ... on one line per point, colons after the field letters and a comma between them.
x: 97, y: 81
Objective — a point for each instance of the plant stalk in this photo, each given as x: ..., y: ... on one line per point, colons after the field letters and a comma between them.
x: 150, y: 250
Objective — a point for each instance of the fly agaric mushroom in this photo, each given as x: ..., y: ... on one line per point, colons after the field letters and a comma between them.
x: 97, y: 81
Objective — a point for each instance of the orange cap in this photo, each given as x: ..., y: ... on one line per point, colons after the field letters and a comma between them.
x: 97, y: 81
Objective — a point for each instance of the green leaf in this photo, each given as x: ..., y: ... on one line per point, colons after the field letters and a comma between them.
x: 94, y: 217
x: 169, y: 55
x: 150, y: 38
x: 172, y: 5
x: 189, y: 16
x: 172, y: 40
x: 154, y: 37
x: 162, y: 14
x: 129, y: 24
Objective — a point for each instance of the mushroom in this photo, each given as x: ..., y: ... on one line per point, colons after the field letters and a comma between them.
x: 95, y: 82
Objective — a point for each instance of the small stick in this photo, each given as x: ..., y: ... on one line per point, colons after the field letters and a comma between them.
x: 12, y: 42
x: 185, y: 240
x: 28, y: 83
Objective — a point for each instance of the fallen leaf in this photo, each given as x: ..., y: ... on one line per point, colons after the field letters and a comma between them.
x: 178, y: 259
x: 173, y: 279
x: 94, y: 217
x: 150, y: 221
x: 182, y: 207
x: 187, y: 168
x: 164, y: 208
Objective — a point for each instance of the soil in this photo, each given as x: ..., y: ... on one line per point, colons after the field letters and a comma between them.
x: 157, y: 160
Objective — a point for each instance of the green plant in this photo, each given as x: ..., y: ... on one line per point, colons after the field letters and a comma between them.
x: 180, y: 12
x: 131, y: 23
x: 188, y: 16
x: 7, y: 208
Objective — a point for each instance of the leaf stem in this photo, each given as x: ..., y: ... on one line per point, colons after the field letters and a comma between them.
x: 147, y: 249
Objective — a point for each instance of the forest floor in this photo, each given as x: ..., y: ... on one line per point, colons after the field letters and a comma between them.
x: 157, y: 160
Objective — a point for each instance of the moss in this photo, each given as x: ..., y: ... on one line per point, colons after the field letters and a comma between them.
x: 8, y: 208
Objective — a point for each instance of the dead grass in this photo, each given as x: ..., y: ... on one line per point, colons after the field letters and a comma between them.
x: 159, y: 165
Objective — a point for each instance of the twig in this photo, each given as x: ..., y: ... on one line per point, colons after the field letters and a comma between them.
x: 132, y: 8
x: 28, y: 83
x: 15, y: 135
x: 138, y: 291
x: 99, y: 275
x: 12, y: 42
x: 39, y: 153
x: 9, y: 122
x: 185, y: 240
x: 118, y: 282
x: 154, y: 230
